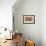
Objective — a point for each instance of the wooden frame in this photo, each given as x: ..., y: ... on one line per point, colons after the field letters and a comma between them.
x: 28, y: 19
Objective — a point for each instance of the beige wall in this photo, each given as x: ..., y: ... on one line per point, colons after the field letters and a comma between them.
x: 6, y: 13
x: 43, y: 22
x: 29, y: 7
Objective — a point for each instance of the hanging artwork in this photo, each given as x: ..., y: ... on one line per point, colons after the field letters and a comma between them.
x: 28, y: 19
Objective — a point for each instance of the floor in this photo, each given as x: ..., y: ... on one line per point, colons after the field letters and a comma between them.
x: 12, y: 42
x: 9, y: 43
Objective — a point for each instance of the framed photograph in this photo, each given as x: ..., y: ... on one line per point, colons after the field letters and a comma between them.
x: 28, y: 19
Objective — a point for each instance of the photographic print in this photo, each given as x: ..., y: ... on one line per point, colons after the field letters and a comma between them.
x: 28, y: 19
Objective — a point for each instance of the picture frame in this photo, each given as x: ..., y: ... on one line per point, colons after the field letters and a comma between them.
x: 28, y: 19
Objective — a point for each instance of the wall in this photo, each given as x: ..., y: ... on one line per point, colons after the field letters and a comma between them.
x: 6, y: 13
x: 43, y: 22
x: 30, y: 31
